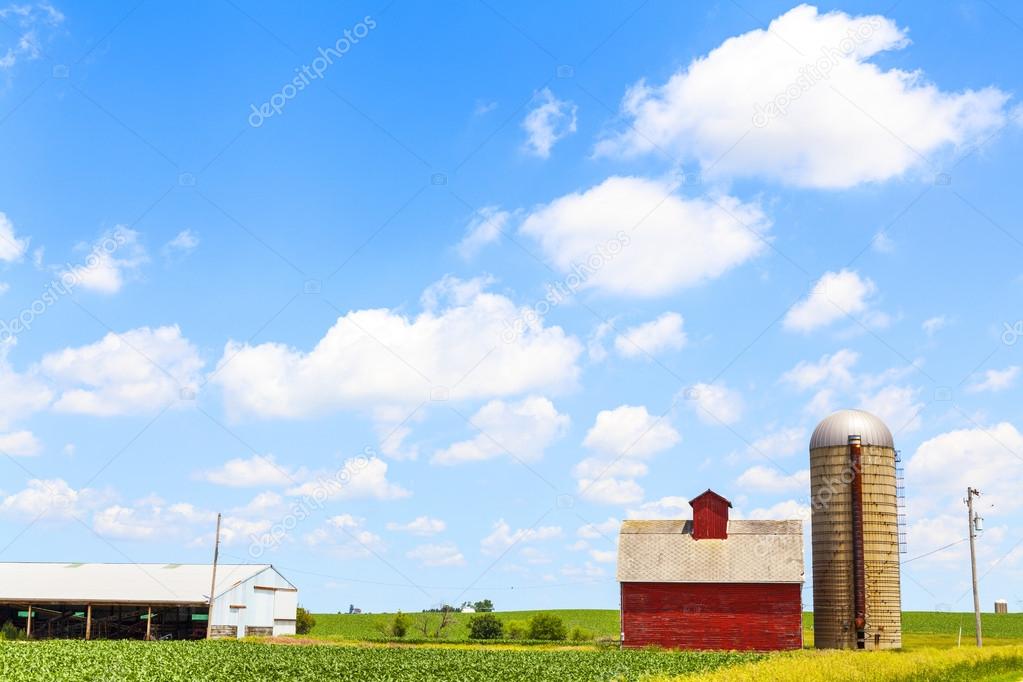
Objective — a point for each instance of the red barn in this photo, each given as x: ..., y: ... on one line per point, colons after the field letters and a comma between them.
x: 711, y: 583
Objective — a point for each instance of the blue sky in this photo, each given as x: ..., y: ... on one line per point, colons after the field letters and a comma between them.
x: 425, y: 300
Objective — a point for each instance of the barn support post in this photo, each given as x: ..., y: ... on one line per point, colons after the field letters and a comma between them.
x: 149, y: 622
x: 28, y: 623
x: 88, y: 622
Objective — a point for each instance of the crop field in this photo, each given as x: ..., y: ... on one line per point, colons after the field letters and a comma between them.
x: 78, y: 661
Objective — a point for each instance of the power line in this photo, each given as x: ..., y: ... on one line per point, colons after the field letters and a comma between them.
x: 935, y: 551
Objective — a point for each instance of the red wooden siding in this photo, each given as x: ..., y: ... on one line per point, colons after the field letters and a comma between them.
x: 741, y: 616
x: 710, y: 516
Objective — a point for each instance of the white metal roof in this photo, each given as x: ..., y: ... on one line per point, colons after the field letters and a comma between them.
x: 836, y: 429
x: 755, y: 552
x: 119, y: 583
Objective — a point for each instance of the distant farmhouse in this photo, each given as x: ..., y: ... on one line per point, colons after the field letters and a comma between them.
x: 711, y: 583
x: 145, y: 601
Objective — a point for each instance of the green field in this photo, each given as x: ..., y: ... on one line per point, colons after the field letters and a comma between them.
x: 604, y: 623
x: 78, y: 661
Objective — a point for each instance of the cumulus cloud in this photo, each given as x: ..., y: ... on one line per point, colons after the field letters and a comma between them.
x: 809, y: 110
x: 932, y: 325
x: 114, y: 258
x: 671, y: 507
x: 24, y: 393
x: 12, y: 248
x: 421, y: 525
x: 32, y: 24
x: 20, y: 444
x: 995, y: 380
x: 430, y: 555
x: 258, y: 470
x: 836, y: 368
x: 345, y: 536
x: 550, y: 120
x: 357, y: 478
x: 503, y: 537
x: 139, y: 371
x: 788, y: 509
x: 621, y: 438
x: 605, y: 529
x: 633, y: 236
x: 714, y: 404
x: 454, y: 349
x: 486, y: 226
x: 184, y: 242
x: 650, y: 338
x: 897, y: 406
x: 834, y: 296
x: 50, y: 499
x: 771, y: 480
x: 521, y: 430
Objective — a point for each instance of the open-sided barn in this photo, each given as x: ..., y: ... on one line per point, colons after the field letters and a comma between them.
x: 711, y: 583
x: 145, y: 601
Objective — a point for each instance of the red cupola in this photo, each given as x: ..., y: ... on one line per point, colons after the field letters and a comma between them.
x: 710, y: 516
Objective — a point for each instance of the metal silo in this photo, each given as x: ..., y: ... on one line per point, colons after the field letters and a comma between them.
x: 854, y: 491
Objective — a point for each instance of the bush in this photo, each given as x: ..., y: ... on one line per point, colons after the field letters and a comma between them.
x: 304, y: 621
x: 400, y: 625
x: 485, y: 626
x: 546, y: 626
x: 516, y: 629
x: 579, y: 634
x: 11, y: 632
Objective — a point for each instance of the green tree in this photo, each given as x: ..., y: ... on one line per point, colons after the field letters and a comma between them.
x: 304, y: 621
x: 483, y: 606
x: 400, y: 625
x: 546, y: 626
x: 517, y: 629
x: 485, y: 626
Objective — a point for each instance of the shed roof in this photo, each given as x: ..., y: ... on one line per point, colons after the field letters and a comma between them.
x: 119, y: 583
x: 755, y: 552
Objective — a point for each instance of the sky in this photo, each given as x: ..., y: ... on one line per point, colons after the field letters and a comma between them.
x: 426, y: 299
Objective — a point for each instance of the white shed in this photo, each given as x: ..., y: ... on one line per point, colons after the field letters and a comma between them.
x: 145, y: 601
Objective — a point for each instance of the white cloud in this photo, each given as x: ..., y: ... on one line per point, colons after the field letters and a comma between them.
x: 49, y: 499
x: 834, y: 296
x: 20, y: 444
x: 630, y: 430
x: 184, y: 242
x: 897, y: 406
x: 357, y: 478
x: 153, y: 519
x: 258, y: 470
x: 995, y: 380
x: 771, y: 480
x: 801, y: 104
x: 595, y: 342
x: 421, y: 525
x: 650, y: 338
x: 714, y: 404
x: 988, y: 458
x: 671, y: 507
x: 31, y: 23
x: 503, y: 537
x: 604, y: 556
x: 606, y: 529
x: 346, y: 537
x: 486, y: 226
x: 779, y: 443
x: 830, y: 369
x: 789, y: 509
x: 550, y: 120
x: 24, y: 393
x: 621, y: 437
x: 444, y: 554
x: 379, y: 356
x: 587, y: 570
x: 115, y: 257
x: 632, y: 236
x: 12, y: 247
x: 139, y: 371
x: 521, y: 430
x: 933, y: 325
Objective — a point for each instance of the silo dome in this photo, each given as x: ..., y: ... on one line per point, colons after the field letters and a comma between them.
x: 836, y: 429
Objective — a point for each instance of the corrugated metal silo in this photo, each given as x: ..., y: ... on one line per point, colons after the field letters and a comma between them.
x: 855, y: 526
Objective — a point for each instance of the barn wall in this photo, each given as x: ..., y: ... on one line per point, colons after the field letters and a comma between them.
x: 741, y: 616
x: 254, y: 610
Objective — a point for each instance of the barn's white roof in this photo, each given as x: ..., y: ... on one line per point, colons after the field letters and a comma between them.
x: 755, y: 552
x: 120, y: 583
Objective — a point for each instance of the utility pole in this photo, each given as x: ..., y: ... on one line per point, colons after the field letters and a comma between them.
x: 970, y: 493
x: 213, y: 581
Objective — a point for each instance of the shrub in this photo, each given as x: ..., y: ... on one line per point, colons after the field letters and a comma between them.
x: 400, y: 625
x: 11, y: 632
x: 485, y: 626
x: 304, y: 621
x: 579, y: 634
x: 546, y: 626
x: 516, y: 629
